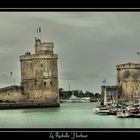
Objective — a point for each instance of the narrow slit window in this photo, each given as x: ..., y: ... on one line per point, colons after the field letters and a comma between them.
x: 35, y: 82
x: 41, y: 65
x: 44, y: 83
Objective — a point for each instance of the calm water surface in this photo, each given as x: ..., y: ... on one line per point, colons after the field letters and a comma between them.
x: 69, y: 115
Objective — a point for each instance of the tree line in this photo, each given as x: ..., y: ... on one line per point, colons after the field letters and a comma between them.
x: 66, y: 94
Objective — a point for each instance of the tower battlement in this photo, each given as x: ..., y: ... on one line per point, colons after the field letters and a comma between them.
x: 43, y: 47
x: 128, y: 66
x: 38, y: 56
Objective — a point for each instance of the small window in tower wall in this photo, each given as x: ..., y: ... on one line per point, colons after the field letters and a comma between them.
x: 35, y: 82
x: 41, y: 64
x: 51, y: 83
x: 44, y: 83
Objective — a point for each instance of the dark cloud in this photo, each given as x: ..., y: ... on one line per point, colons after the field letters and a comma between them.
x: 89, y: 44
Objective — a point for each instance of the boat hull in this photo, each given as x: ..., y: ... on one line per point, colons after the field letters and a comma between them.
x: 123, y: 114
x: 99, y: 110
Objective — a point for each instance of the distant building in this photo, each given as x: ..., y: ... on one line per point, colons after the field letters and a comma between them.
x: 39, y: 78
x: 128, y: 81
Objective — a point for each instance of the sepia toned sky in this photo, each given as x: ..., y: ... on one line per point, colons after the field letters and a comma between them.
x: 89, y: 44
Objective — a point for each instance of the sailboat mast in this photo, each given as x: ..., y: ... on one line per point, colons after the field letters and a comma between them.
x: 122, y: 92
x: 69, y: 86
x: 105, y: 101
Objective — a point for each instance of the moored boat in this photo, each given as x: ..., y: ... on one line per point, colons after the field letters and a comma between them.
x: 101, y: 110
x: 113, y: 111
x: 123, y: 113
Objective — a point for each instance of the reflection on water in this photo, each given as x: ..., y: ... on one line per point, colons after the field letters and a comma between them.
x: 69, y: 115
x: 40, y: 110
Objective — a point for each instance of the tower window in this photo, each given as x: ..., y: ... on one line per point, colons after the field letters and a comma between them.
x: 51, y: 83
x: 41, y: 65
x: 35, y: 82
x: 44, y: 83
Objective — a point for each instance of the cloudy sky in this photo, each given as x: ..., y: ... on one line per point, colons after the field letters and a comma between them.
x: 89, y: 44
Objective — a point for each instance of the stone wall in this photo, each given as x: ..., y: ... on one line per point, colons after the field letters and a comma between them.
x: 128, y: 80
x: 11, y: 94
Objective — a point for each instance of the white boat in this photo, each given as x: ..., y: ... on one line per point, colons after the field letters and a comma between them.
x: 113, y: 111
x: 135, y: 111
x: 101, y: 110
x: 123, y: 113
x: 135, y: 115
x: 74, y: 99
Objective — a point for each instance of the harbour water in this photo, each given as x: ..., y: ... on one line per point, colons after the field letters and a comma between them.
x: 69, y: 115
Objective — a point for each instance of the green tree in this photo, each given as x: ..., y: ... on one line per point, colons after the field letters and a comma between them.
x: 97, y: 95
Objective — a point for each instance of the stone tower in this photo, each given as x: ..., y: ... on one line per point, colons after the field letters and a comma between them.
x: 128, y: 81
x: 39, y: 74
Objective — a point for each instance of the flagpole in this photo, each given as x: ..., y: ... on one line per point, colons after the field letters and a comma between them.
x: 40, y: 33
x: 11, y: 77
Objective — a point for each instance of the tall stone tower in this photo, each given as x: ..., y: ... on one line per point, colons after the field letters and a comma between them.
x: 128, y: 81
x: 39, y: 74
